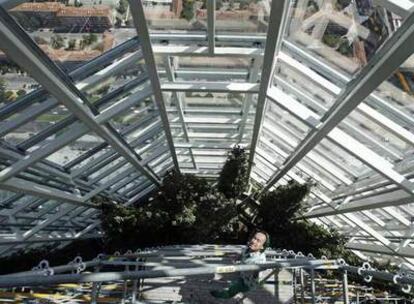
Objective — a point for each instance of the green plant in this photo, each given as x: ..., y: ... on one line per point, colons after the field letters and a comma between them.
x: 88, y: 40
x: 21, y: 92
x: 243, y: 4
x: 219, y: 4
x: 123, y: 6
x: 2, y: 90
x: 71, y: 45
x: 188, y: 10
x: 184, y: 209
x: 56, y: 41
x: 279, y: 214
x: 233, y: 178
x: 9, y: 96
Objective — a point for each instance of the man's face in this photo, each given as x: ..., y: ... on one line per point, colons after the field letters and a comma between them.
x: 256, y: 243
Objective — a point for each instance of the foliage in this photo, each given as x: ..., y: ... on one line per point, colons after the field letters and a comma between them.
x: 9, y: 96
x: 21, y: 92
x: 123, y: 6
x: 277, y: 213
x: 184, y: 209
x: 89, y: 39
x: 219, y: 4
x: 243, y: 4
x: 188, y: 10
x: 233, y: 177
x: 71, y: 45
x: 2, y: 90
x: 56, y: 41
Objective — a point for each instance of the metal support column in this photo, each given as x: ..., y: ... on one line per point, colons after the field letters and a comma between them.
x: 313, y: 289
x: 134, y: 287
x: 94, y: 295
x: 125, y: 288
x: 294, y: 286
x: 345, y: 287
x: 211, y: 28
x: 137, y: 11
x: 302, y: 287
x: 274, y: 34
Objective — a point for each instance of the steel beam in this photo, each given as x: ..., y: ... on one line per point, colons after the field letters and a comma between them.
x: 22, y: 186
x: 179, y: 102
x: 407, y: 252
x: 393, y: 53
x: 18, y: 46
x: 140, y: 22
x: 248, y: 100
x: 130, y: 275
x: 211, y: 27
x: 274, y: 36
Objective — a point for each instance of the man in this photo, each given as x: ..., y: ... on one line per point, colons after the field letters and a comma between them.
x: 252, y: 254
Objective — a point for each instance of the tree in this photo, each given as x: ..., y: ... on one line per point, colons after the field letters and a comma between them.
x: 233, y: 178
x: 21, y: 92
x: 89, y: 39
x: 122, y: 7
x: 243, y: 4
x: 219, y: 4
x: 279, y: 214
x: 2, y: 90
x: 9, y: 96
x: 188, y: 10
x: 184, y: 209
x: 56, y: 41
x: 71, y: 45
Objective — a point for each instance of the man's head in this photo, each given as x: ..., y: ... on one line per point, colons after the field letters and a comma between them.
x: 258, y: 241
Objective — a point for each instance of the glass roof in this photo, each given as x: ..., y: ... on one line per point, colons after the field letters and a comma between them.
x: 100, y: 98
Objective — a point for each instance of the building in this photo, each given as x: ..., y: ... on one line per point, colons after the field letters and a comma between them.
x: 177, y: 7
x: 37, y: 15
x: 95, y: 18
x: 32, y: 15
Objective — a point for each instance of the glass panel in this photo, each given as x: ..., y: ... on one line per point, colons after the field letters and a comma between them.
x: 71, y: 33
x: 15, y: 83
x: 242, y: 16
x: 75, y: 149
x: 186, y: 15
x: 345, y: 34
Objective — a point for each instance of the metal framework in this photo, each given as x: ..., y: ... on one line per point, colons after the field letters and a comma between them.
x: 185, y: 262
x: 312, y: 92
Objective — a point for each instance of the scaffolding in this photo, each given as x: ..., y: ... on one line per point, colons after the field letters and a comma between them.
x: 189, y: 262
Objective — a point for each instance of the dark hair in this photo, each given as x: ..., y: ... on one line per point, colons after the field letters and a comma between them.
x: 267, y: 242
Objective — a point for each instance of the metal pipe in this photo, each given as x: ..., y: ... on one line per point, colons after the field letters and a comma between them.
x: 193, y: 253
x: 56, y: 269
x: 380, y: 275
x: 116, y: 276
